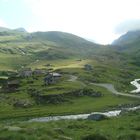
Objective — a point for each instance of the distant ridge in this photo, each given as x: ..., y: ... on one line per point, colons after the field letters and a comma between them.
x: 3, y: 29
x: 20, y: 30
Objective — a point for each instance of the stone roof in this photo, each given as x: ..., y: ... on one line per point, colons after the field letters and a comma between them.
x: 54, y: 74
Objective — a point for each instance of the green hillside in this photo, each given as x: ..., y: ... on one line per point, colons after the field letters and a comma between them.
x: 129, y: 45
x: 19, y: 49
x: 28, y: 48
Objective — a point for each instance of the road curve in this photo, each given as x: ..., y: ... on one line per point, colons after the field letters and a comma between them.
x: 111, y: 88
x: 108, y: 86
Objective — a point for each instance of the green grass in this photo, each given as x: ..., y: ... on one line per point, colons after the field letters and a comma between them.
x: 125, y: 127
x: 77, y: 105
x: 85, y: 104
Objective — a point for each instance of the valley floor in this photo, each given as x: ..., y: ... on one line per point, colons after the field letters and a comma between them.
x: 74, y: 93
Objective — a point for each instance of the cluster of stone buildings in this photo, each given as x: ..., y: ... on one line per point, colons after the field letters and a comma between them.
x: 14, y: 82
x: 49, y: 78
x: 28, y: 72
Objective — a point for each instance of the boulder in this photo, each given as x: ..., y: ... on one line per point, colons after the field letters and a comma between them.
x: 22, y: 104
x: 97, y: 117
x: 88, y: 67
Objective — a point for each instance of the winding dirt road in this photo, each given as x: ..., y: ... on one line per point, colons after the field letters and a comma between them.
x: 111, y: 88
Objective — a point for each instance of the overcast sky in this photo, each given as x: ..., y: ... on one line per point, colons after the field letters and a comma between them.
x: 99, y: 20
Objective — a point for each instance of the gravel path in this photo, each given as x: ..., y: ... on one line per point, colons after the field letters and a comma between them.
x: 111, y: 88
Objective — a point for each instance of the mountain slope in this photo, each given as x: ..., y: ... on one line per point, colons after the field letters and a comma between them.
x: 126, y: 40
x: 62, y: 39
x: 29, y: 47
x: 129, y: 44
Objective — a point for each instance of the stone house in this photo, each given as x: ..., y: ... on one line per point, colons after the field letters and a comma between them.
x: 39, y: 71
x: 56, y: 75
x: 11, y: 86
x: 26, y: 73
x: 52, y: 78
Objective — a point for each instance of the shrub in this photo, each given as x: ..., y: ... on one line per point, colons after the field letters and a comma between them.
x: 129, y: 137
x: 94, y: 137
